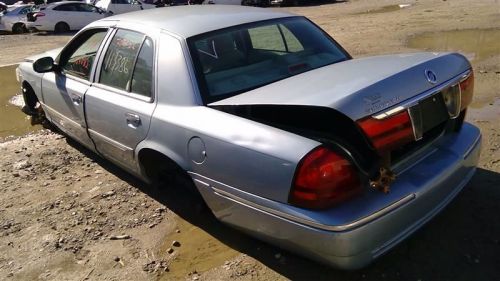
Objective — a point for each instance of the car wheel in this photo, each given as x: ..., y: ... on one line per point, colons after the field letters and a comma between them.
x: 33, y: 108
x: 19, y: 28
x: 61, y: 27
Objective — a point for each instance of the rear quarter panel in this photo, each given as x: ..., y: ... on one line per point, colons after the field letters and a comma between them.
x: 240, y: 153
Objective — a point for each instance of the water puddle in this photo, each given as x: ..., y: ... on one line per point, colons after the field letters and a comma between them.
x: 13, y: 122
x: 475, y: 44
x: 198, y: 251
x: 490, y: 112
x: 385, y: 9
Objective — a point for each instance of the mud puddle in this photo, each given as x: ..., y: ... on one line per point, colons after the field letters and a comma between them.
x: 475, y: 44
x: 13, y: 122
x: 199, y: 251
x: 488, y: 112
x: 385, y: 9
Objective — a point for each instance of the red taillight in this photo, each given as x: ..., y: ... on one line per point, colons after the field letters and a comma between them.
x: 323, y: 179
x: 466, y: 90
x: 36, y: 15
x: 390, y: 132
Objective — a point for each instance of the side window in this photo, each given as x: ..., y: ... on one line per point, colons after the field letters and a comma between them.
x: 25, y: 10
x: 267, y: 38
x: 66, y: 8
x: 79, y: 62
x: 117, y: 67
x: 143, y: 72
x: 86, y: 8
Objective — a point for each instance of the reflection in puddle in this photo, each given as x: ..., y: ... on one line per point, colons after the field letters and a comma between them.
x: 198, y: 251
x: 476, y: 44
x: 385, y: 9
x: 12, y: 120
x: 490, y: 112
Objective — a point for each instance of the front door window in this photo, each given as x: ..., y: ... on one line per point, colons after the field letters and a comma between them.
x: 79, y: 58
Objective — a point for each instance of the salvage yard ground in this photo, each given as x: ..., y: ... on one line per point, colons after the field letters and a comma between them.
x: 66, y: 214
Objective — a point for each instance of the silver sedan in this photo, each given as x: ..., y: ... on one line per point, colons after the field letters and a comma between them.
x: 283, y: 133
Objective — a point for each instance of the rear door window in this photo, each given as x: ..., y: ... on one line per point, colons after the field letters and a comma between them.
x: 66, y: 8
x: 128, y: 63
x: 143, y: 72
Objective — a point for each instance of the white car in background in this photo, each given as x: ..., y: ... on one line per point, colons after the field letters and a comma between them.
x: 14, y: 19
x: 65, y: 16
x: 122, y: 6
x: 257, y: 3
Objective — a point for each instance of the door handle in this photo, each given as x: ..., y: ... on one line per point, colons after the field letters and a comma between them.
x: 133, y: 120
x: 77, y: 100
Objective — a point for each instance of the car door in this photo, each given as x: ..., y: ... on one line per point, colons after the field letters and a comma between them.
x: 119, y: 106
x: 64, y: 89
x: 67, y: 13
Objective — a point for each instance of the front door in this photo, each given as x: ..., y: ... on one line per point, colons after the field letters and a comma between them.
x: 119, y: 106
x: 64, y: 90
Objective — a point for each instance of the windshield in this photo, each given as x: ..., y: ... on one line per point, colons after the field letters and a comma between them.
x: 237, y: 59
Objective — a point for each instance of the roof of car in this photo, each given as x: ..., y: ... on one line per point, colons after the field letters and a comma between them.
x: 187, y: 21
x: 53, y: 4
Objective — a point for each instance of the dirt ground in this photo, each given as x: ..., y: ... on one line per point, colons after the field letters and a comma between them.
x: 66, y: 214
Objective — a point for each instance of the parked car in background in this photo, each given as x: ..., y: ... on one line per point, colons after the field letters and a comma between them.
x: 3, y: 7
x: 14, y: 18
x: 12, y: 2
x: 65, y: 16
x: 281, y: 131
x: 256, y: 3
x: 122, y: 6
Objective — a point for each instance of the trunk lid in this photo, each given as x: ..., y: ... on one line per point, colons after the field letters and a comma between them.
x: 358, y: 87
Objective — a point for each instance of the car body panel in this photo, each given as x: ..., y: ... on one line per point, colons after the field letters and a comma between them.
x: 435, y: 181
x: 245, y: 168
x: 64, y: 104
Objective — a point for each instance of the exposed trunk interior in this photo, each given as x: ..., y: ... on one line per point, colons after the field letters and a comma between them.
x: 323, y: 124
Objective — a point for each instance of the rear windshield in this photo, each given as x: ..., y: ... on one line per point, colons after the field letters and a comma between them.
x: 237, y: 59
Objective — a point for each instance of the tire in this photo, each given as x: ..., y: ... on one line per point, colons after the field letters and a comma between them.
x: 33, y: 108
x: 19, y: 28
x: 61, y: 27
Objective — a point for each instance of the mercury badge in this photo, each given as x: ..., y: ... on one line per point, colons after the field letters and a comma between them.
x: 431, y: 76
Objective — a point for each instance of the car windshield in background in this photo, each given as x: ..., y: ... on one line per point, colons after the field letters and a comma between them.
x: 237, y: 59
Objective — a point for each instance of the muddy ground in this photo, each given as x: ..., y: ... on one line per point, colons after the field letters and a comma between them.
x: 66, y: 214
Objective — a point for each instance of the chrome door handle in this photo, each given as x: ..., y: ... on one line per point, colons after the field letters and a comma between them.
x: 77, y: 100
x: 133, y: 120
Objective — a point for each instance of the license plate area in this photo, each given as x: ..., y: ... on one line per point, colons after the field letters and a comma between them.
x: 433, y: 112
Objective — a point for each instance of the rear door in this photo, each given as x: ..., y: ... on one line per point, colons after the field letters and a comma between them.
x: 87, y: 14
x: 69, y: 14
x: 119, y: 105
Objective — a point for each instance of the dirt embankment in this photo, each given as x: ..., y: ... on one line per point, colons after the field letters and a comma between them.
x: 66, y: 214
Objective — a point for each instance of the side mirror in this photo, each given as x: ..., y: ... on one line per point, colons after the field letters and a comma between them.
x: 42, y: 65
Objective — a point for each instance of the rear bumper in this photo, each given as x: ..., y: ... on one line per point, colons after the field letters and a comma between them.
x: 423, y: 190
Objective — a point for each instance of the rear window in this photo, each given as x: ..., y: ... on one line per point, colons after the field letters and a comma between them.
x: 237, y: 59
